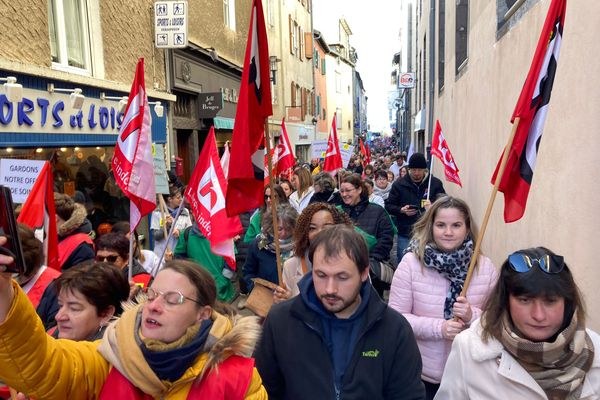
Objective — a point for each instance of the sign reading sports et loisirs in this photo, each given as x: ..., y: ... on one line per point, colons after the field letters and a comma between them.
x: 171, y: 24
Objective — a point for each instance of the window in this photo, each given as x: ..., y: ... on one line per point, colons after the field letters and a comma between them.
x: 338, y: 82
x: 338, y: 119
x: 229, y: 13
x: 441, y: 42
x: 270, y: 17
x: 70, y: 35
x: 294, y: 40
x: 462, y: 33
x: 508, y: 12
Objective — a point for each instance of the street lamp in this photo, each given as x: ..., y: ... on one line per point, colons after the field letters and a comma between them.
x: 273, y: 60
x: 76, y: 96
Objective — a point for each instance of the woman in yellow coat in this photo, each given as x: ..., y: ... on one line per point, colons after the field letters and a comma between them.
x: 165, y: 348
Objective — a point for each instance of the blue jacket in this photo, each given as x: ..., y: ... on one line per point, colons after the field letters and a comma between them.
x: 259, y: 264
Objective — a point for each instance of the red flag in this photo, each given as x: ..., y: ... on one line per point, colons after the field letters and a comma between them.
x: 285, y: 156
x: 333, y: 157
x: 364, y: 152
x: 132, y: 163
x: 266, y: 169
x: 368, y: 152
x: 246, y: 174
x: 440, y: 149
x: 531, y: 109
x: 206, y: 193
x: 39, y: 214
x: 225, y: 160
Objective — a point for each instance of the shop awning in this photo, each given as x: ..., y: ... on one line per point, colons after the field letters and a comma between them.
x: 223, y: 123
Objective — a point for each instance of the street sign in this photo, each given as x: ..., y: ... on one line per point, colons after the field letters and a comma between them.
x: 209, y: 104
x: 171, y: 24
x: 407, y: 80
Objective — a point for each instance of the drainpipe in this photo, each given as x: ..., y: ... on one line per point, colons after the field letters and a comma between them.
x: 431, y: 68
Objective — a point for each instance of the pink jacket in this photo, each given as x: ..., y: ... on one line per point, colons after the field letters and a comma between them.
x: 419, y: 294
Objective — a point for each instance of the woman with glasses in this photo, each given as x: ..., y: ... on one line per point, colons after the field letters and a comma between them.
x: 428, y: 281
x: 374, y: 223
x: 531, y: 341
x: 169, y: 347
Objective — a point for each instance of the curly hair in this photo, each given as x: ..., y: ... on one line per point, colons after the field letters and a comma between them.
x: 301, y: 243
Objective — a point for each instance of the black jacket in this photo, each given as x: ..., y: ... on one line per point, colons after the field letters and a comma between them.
x: 405, y: 191
x: 295, y: 364
x: 374, y: 220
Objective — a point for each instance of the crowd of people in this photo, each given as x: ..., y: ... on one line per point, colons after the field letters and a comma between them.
x: 369, y: 302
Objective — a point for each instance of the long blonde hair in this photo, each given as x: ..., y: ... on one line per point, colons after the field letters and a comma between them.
x: 422, y: 232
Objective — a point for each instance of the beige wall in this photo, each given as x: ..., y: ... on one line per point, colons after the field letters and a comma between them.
x: 342, y: 99
x: 475, y: 109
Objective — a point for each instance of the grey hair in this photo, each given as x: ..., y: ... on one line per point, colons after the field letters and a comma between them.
x: 285, y: 213
x: 324, y: 181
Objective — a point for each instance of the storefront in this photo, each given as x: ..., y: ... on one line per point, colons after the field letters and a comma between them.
x: 79, y: 143
x: 207, y: 94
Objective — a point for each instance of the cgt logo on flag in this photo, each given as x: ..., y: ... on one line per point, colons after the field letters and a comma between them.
x: 440, y: 149
x: 209, y: 191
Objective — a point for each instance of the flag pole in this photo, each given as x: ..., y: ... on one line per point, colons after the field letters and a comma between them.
x: 130, y: 271
x: 430, y: 175
x: 490, y: 206
x: 273, y: 204
x: 169, y: 236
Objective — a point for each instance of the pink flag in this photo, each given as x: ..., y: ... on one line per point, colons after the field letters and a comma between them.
x: 206, y: 193
x: 439, y: 148
x: 333, y: 157
x: 225, y: 160
x: 132, y: 163
x: 284, y: 155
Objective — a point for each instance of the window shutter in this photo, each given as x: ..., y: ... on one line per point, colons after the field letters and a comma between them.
x: 293, y: 94
x: 308, y: 45
x: 291, y: 24
x: 300, y: 42
x: 323, y: 66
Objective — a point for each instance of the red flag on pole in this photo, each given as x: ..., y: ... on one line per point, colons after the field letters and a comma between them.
x: 531, y: 109
x: 246, y: 174
x: 132, y: 163
x: 285, y: 156
x: 39, y: 214
x: 206, y: 193
x: 368, y: 152
x: 273, y: 163
x: 333, y: 157
x: 440, y: 149
x: 364, y: 152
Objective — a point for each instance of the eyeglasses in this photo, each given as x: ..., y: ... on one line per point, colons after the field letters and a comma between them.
x: 171, y: 298
x: 550, y: 264
x: 110, y: 259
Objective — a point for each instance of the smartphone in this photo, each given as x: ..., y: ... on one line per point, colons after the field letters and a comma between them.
x: 413, y: 207
x: 8, y: 228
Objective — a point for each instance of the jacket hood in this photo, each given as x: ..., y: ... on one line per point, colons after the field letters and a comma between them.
x: 78, y: 219
x: 121, y: 347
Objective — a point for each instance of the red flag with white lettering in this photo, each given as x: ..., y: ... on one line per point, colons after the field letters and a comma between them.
x: 440, y: 149
x: 246, y: 173
x: 363, y: 150
x: 132, y: 163
x: 285, y: 156
x: 39, y: 214
x: 206, y: 193
x: 333, y: 157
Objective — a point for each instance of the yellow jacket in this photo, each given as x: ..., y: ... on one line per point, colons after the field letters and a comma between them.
x: 34, y: 363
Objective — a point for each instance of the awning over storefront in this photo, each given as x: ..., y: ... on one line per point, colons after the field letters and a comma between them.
x: 223, y: 123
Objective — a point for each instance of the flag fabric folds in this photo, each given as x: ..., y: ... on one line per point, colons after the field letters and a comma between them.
x: 246, y: 174
x: 363, y: 150
x: 39, y: 214
x: 285, y: 156
x: 531, y: 109
x: 132, y: 164
x: 333, y: 156
x: 225, y: 160
x: 206, y: 193
x: 440, y: 149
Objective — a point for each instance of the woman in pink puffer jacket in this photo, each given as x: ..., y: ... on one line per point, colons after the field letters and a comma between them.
x: 428, y: 281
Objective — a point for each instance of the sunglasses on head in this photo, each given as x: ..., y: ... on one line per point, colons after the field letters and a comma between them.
x: 110, y: 259
x: 550, y: 264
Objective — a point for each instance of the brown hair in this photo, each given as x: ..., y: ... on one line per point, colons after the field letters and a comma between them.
x: 356, y: 181
x: 303, y: 224
x: 201, y: 279
x: 340, y: 238
x: 102, y: 284
x: 33, y: 250
x: 304, y: 180
x: 534, y: 283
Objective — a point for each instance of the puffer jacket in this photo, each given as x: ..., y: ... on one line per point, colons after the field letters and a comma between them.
x: 56, y: 369
x: 300, y: 203
x: 76, y: 224
x: 419, y: 294
x: 486, y: 371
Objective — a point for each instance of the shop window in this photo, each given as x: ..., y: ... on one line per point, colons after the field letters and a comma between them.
x: 69, y: 27
x: 229, y: 13
x: 462, y: 34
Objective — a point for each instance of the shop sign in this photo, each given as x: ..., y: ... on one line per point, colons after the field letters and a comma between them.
x: 407, y: 80
x: 171, y: 24
x: 40, y: 111
x: 230, y: 95
x: 209, y: 104
x: 19, y: 176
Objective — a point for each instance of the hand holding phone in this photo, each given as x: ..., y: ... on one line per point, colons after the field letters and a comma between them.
x: 8, y: 229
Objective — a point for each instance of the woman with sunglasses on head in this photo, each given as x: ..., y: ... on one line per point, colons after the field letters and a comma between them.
x: 531, y: 341
x: 169, y: 347
x: 428, y: 281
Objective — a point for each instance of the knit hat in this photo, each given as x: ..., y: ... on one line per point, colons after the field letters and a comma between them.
x: 64, y: 205
x: 417, y: 160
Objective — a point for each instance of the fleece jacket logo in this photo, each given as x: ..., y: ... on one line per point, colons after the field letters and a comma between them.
x: 370, y: 353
